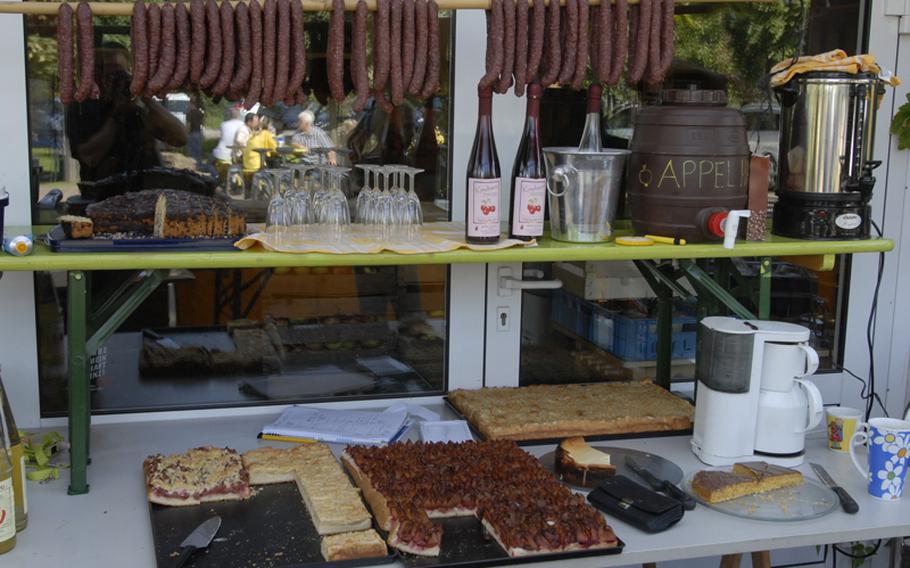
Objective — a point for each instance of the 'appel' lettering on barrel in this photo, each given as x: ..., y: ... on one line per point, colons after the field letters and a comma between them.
x: 702, y: 174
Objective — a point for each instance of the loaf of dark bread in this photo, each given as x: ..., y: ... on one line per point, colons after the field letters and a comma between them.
x: 168, y: 214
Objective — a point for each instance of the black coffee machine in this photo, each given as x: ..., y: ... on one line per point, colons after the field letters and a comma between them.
x: 827, y: 127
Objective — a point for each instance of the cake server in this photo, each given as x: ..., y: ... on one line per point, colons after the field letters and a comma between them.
x: 847, y: 502
x: 662, y: 485
x: 199, y: 538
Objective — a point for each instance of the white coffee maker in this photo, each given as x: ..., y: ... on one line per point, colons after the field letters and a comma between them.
x: 752, y: 400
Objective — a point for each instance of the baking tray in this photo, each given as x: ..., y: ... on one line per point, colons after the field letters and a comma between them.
x: 661, y: 467
x: 57, y: 241
x: 465, y: 544
x: 558, y: 439
x: 271, y: 529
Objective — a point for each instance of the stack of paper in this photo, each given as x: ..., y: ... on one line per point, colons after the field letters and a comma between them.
x: 338, y: 426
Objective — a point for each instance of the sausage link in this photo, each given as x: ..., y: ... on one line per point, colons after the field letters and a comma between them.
x: 521, y: 47
x: 283, y: 55
x: 667, y: 39
x: 298, y: 41
x: 269, y: 27
x: 197, y: 53
x: 570, y: 54
x: 494, y: 58
x: 139, y: 46
x: 240, y: 81
x: 255, y: 90
x: 336, y: 51
x: 168, y: 50
x: 554, y: 55
x: 153, y: 22
x: 228, y: 55
x: 431, y: 82
x: 182, y: 54
x: 537, y: 39
x: 397, y: 86
x: 65, y: 52
x: 639, y: 62
x: 359, y: 71
x: 581, y: 57
x: 620, y: 43
x: 604, y: 46
x: 409, y: 42
x: 213, y: 52
x: 652, y: 71
x: 508, y: 44
x: 86, y: 43
x: 381, y: 53
x: 420, y: 49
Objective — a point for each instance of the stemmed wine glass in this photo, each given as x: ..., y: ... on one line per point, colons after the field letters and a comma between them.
x: 414, y: 211
x: 362, y: 205
x: 337, y: 213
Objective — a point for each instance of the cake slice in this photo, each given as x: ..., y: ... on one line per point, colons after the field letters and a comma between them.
x: 580, y: 464
x: 747, y: 478
x: 352, y: 545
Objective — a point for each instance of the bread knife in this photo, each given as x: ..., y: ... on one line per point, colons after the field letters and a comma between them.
x: 662, y: 485
x: 201, y: 537
x: 846, y: 502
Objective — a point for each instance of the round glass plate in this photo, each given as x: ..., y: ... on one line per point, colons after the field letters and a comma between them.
x: 662, y: 468
x: 797, y: 503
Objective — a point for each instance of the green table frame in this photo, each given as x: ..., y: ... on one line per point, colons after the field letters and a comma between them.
x: 88, y: 327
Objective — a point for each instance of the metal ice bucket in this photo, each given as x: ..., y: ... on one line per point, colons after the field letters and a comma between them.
x: 583, y: 192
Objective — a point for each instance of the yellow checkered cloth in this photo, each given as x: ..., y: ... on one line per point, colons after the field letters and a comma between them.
x: 361, y: 239
x: 835, y: 60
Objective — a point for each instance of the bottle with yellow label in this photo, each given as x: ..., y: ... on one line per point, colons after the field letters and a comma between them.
x: 17, y: 458
x: 7, y: 501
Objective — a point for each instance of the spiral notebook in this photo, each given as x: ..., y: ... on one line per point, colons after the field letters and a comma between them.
x: 338, y: 426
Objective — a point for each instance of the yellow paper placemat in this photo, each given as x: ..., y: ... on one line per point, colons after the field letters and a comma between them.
x: 361, y: 239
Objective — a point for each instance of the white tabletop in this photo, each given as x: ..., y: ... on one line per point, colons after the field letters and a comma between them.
x: 110, y: 525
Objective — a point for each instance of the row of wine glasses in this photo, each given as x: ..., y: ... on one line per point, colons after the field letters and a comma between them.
x: 386, y: 204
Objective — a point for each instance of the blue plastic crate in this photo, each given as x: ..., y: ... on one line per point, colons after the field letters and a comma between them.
x: 572, y: 313
x: 635, y: 338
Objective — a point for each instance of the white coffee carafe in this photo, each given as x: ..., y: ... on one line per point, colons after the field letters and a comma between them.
x: 788, y: 405
x: 752, y: 400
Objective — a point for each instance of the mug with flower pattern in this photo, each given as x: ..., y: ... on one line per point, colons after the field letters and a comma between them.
x: 888, y: 440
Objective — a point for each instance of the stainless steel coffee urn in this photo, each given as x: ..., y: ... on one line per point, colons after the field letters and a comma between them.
x: 825, y: 163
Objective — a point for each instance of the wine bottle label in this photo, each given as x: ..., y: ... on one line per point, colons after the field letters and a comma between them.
x: 24, y: 484
x: 483, y: 207
x: 7, y: 510
x: 527, y: 217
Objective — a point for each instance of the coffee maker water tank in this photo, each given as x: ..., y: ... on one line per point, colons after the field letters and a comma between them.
x: 727, y: 396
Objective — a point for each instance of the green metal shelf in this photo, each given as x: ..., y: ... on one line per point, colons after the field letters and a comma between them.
x: 546, y: 250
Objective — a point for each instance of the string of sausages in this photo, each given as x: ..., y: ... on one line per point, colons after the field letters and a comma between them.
x: 553, y: 44
x: 255, y: 51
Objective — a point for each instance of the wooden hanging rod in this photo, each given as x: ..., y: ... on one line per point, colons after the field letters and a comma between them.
x: 126, y: 8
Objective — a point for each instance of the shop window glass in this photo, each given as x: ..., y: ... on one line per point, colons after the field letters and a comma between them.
x: 287, y: 335
x: 599, y: 326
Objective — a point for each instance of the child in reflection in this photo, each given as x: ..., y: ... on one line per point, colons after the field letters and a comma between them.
x: 262, y: 138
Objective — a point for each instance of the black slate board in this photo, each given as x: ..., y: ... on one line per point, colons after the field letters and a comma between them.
x: 465, y: 544
x: 271, y: 529
x: 57, y: 241
x: 547, y: 441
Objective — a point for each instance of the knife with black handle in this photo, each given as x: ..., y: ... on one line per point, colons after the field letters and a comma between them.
x: 201, y: 537
x: 846, y: 502
x: 662, y: 485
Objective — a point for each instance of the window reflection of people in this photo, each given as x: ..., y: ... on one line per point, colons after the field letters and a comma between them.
x: 194, y: 119
x: 250, y: 124
x: 310, y: 136
x: 117, y: 133
x: 222, y: 153
x: 263, y: 138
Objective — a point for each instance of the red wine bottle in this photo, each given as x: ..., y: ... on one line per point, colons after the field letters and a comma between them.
x: 590, y: 137
x: 484, y: 181
x: 529, y: 178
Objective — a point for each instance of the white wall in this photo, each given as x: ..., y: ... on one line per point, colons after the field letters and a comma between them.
x: 18, y: 348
